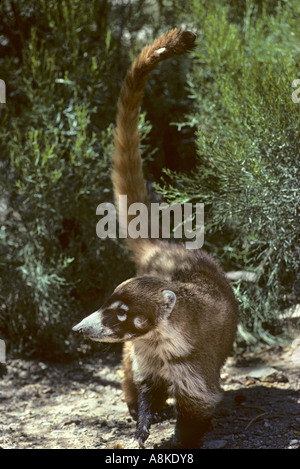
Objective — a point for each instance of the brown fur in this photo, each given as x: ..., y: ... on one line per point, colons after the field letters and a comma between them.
x: 178, y: 317
x: 204, y: 318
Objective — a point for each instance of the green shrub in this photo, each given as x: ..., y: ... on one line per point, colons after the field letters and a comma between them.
x: 55, y: 145
x: 63, y: 63
x: 247, y: 150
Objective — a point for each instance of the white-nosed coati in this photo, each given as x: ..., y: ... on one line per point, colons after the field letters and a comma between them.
x: 178, y: 317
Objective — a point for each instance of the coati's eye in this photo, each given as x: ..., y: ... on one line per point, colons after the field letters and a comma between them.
x: 121, y: 309
x: 122, y: 317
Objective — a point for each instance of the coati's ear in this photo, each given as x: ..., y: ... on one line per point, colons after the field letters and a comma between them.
x: 168, y: 302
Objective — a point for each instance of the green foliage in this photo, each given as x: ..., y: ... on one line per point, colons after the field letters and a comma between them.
x: 63, y: 62
x: 247, y: 150
x: 56, y: 140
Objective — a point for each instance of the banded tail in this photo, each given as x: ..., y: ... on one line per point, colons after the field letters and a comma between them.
x: 127, y: 173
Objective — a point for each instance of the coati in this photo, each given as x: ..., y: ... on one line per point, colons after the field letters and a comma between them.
x: 178, y: 316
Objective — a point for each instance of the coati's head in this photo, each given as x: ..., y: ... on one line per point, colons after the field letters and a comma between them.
x: 135, y: 307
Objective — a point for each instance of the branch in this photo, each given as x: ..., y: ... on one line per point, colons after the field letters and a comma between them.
x: 242, y: 275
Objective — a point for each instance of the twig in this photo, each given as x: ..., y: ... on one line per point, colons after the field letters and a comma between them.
x: 253, y: 407
x: 242, y: 275
x: 255, y: 419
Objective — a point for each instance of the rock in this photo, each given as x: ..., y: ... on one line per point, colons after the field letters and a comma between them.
x: 111, y: 424
x: 261, y: 372
x: 215, y: 444
x: 268, y: 374
x: 294, y: 444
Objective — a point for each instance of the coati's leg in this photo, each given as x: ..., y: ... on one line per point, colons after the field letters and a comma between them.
x: 151, y: 398
x: 129, y: 387
x: 159, y: 391
x: 192, y: 422
x: 145, y: 415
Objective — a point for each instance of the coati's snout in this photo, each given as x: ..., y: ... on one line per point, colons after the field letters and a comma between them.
x: 92, y: 327
x: 129, y: 312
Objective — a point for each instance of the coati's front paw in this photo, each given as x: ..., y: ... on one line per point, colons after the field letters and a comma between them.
x: 142, y: 433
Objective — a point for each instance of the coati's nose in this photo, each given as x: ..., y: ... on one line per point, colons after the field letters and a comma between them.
x: 81, y: 326
x: 90, y: 325
x: 77, y: 328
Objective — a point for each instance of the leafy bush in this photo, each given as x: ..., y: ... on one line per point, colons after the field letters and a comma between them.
x: 56, y: 144
x: 247, y: 150
x: 62, y: 63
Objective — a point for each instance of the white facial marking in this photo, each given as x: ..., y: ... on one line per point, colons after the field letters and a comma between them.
x: 119, y: 305
x: 139, y: 322
x: 122, y: 317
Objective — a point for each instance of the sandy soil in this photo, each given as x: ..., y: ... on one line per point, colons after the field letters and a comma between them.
x: 80, y: 404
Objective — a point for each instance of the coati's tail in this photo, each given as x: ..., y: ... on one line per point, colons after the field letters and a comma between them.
x: 127, y: 173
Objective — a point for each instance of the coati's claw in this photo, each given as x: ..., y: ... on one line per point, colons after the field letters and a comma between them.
x: 141, y: 443
x: 142, y: 435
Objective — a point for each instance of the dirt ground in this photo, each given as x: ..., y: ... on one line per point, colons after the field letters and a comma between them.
x: 80, y: 404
